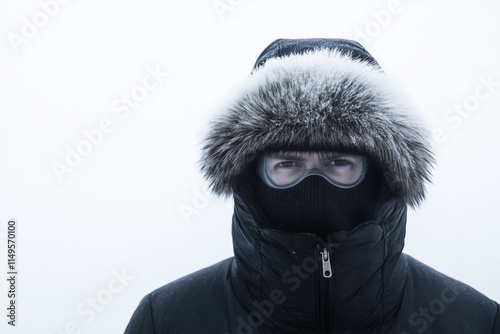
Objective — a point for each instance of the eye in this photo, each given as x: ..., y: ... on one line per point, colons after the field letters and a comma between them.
x: 286, y: 164
x: 339, y: 162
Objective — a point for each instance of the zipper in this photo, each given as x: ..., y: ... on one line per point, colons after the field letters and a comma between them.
x: 325, y: 281
x: 325, y: 259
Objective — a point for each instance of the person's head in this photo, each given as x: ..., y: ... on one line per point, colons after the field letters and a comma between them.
x: 321, y: 135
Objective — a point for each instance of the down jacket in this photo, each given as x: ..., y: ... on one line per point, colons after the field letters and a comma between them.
x: 321, y: 94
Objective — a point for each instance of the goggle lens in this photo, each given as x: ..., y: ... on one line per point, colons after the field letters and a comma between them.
x: 285, y: 169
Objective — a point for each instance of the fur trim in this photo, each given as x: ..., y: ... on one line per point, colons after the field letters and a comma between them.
x: 320, y: 100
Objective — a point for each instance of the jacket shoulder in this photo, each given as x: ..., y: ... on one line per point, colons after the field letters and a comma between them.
x: 445, y: 305
x: 190, y: 304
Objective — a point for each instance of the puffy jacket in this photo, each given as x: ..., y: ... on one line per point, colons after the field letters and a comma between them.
x: 275, y: 283
x: 356, y: 281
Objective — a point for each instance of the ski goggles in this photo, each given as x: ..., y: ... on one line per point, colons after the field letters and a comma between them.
x: 282, y: 170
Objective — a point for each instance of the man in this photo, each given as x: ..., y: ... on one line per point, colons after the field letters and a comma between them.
x: 322, y: 154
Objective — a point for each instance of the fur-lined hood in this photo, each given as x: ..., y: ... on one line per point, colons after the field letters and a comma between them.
x: 323, y: 94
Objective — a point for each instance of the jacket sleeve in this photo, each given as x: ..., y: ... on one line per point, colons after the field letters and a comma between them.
x: 496, y: 325
x: 142, y: 319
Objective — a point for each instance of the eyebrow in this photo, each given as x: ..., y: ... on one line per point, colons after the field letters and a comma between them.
x: 285, y: 156
x: 299, y: 156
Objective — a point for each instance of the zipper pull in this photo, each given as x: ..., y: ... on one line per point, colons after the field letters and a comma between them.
x: 327, y: 269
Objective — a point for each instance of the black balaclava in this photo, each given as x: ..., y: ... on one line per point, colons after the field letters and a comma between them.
x: 316, y: 206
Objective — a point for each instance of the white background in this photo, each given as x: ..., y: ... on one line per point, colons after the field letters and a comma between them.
x: 120, y: 209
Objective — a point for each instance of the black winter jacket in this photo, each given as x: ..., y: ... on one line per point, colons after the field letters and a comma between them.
x: 328, y: 94
x: 276, y: 283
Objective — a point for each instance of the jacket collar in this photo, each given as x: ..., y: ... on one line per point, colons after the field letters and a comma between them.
x: 279, y: 276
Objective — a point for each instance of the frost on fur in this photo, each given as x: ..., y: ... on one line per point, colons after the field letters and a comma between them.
x: 320, y: 100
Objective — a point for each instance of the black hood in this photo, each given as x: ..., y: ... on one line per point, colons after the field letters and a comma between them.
x: 319, y: 94
x: 286, y: 47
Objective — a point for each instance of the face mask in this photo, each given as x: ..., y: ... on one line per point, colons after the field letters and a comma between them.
x: 315, y: 192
